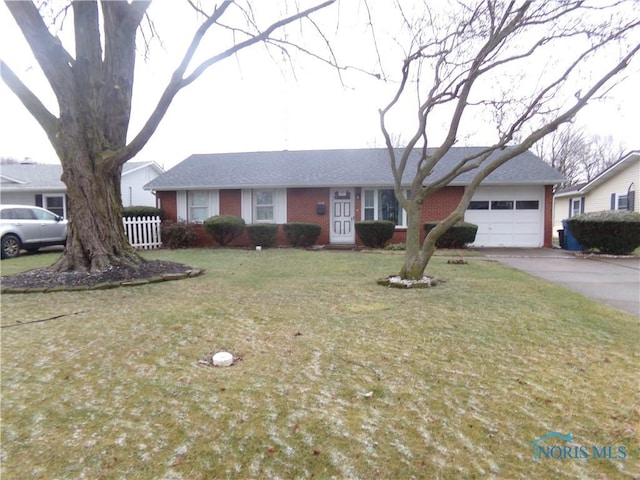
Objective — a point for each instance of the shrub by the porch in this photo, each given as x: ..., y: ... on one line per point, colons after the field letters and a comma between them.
x: 302, y: 234
x: 178, y: 234
x: 142, y: 211
x: 263, y: 234
x: 612, y: 231
x: 224, y: 228
x: 375, y: 233
x: 458, y: 236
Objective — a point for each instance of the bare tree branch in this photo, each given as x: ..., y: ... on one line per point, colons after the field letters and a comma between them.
x: 54, y: 60
x: 36, y: 108
x: 453, y: 58
x: 178, y: 81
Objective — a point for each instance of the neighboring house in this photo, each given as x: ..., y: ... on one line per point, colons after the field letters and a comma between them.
x: 40, y: 185
x: 336, y: 188
x: 613, y: 189
x: 135, y: 175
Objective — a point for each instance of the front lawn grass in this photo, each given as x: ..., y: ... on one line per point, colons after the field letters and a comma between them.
x: 336, y: 377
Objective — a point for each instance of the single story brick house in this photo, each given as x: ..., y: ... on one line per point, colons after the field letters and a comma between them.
x: 336, y: 188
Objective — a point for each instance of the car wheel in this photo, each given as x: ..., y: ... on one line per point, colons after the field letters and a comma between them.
x: 10, y: 246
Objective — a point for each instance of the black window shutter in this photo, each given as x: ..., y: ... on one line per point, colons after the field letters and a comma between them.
x: 582, y: 205
x: 613, y: 201
x: 38, y: 200
x: 631, y: 201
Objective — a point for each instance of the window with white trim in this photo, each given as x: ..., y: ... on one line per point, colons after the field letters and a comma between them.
x: 623, y: 202
x: 198, y: 201
x: 263, y: 201
x: 576, y: 206
x: 369, y: 208
x: 55, y: 204
x: 381, y: 204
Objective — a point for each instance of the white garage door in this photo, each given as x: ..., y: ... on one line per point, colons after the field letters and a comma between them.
x: 508, y: 216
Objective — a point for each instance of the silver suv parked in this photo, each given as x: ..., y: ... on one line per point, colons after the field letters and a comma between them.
x: 29, y: 228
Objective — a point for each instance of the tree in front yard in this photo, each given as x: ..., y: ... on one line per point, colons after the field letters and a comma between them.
x: 93, y: 88
x: 517, y: 70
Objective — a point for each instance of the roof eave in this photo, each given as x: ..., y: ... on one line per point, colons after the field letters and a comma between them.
x: 34, y: 189
x: 142, y: 166
x: 171, y: 188
x: 611, y: 171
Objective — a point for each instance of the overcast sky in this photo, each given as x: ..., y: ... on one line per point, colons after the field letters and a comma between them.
x: 249, y: 104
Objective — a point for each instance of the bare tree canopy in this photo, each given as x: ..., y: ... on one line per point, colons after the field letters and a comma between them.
x: 578, y: 156
x: 93, y: 83
x: 9, y: 161
x: 516, y: 69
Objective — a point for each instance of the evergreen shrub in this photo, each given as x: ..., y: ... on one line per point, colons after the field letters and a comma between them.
x: 375, y: 233
x: 263, y: 234
x: 302, y: 234
x: 142, y: 211
x: 615, y: 232
x: 224, y: 228
x: 458, y: 236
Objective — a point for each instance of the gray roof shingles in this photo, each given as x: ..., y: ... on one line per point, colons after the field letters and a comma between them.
x: 337, y: 168
x: 34, y: 176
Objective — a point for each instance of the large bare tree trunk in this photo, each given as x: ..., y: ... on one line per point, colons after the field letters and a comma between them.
x: 415, y: 259
x: 96, y: 239
x: 94, y: 92
x: 418, y: 255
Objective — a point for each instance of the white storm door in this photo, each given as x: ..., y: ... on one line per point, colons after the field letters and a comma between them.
x: 342, y: 216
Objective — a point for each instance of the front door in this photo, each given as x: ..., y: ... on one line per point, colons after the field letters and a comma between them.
x: 342, y: 216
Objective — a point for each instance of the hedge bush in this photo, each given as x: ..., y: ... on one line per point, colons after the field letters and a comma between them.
x: 178, y: 234
x: 615, y: 232
x: 375, y: 233
x: 458, y: 236
x: 142, y: 211
x: 263, y: 234
x: 224, y: 228
x: 302, y: 234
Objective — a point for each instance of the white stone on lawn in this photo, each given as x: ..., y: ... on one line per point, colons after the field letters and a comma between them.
x: 222, y: 359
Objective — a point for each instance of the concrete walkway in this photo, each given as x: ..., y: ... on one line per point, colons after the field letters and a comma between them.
x: 614, y: 281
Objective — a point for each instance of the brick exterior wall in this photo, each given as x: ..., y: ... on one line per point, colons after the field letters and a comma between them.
x: 548, y: 216
x: 302, y: 206
x: 436, y: 207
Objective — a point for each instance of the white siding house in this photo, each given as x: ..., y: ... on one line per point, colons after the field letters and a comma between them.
x: 38, y: 184
x: 613, y: 189
x: 134, y: 177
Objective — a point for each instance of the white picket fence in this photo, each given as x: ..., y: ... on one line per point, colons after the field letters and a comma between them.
x: 143, y: 232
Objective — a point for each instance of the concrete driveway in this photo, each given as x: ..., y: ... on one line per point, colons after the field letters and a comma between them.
x: 613, y: 281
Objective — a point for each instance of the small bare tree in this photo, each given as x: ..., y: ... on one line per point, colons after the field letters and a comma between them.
x: 526, y: 67
x: 94, y: 89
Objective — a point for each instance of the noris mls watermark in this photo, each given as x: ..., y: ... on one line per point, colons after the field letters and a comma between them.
x: 548, y: 447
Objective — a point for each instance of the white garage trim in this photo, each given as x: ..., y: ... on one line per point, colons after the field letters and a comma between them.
x: 508, y: 216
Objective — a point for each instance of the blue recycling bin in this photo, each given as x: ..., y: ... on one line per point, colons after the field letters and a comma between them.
x: 570, y: 242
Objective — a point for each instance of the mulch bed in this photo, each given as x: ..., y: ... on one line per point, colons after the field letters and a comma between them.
x: 42, y: 279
